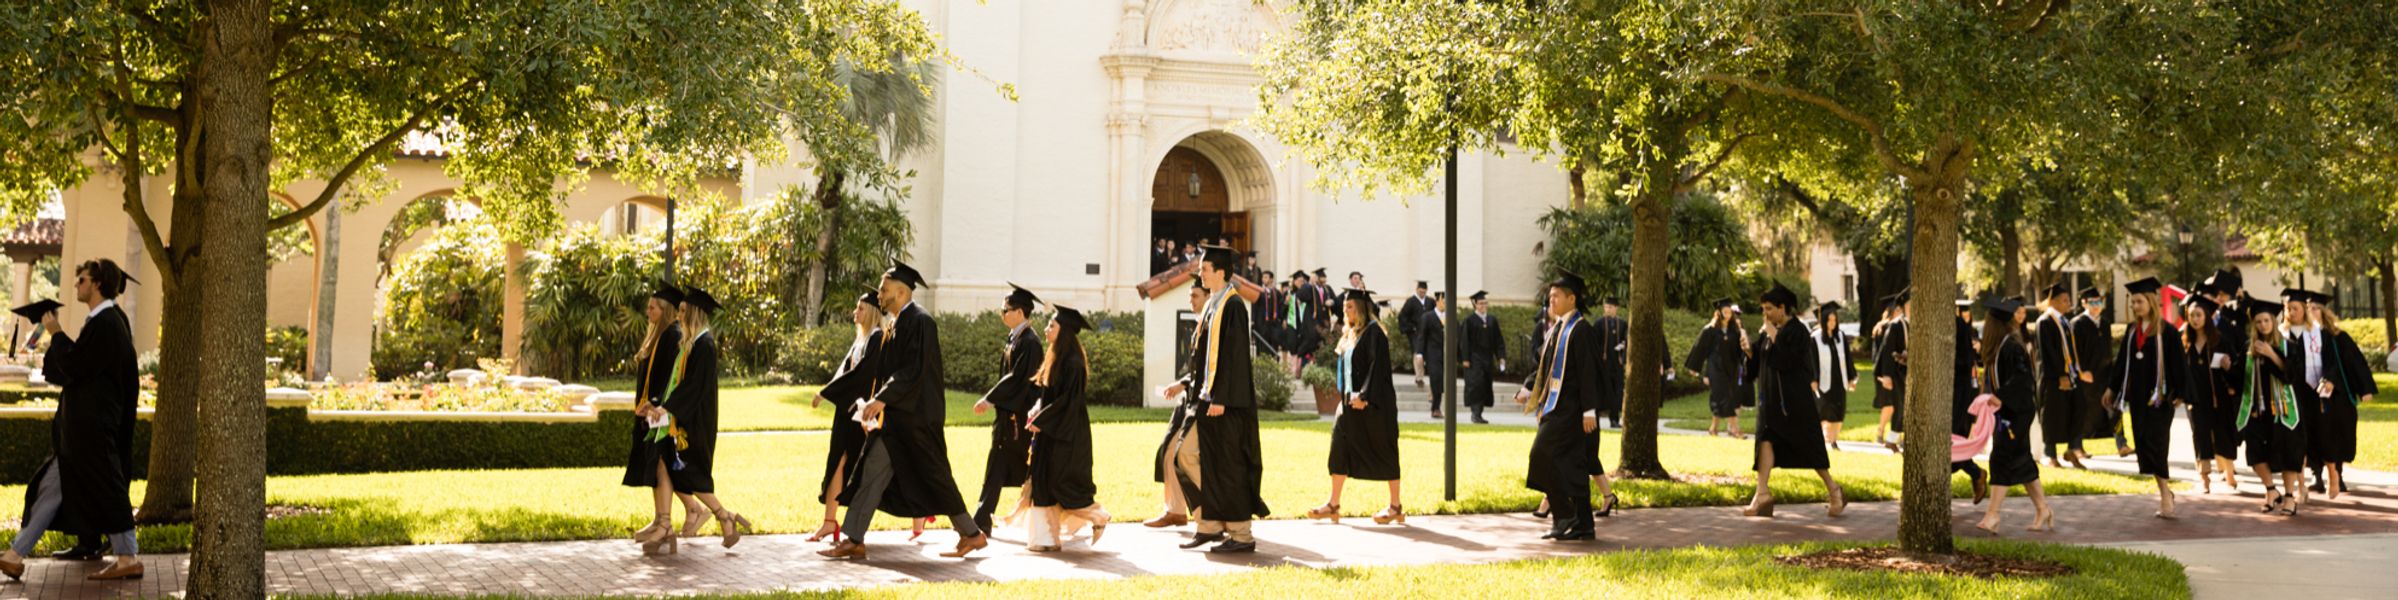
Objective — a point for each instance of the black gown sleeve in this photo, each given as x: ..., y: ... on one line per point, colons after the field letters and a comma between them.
x: 1232, y: 388
x: 1014, y: 392
x: 903, y: 383
x: 1696, y: 361
x: 852, y: 384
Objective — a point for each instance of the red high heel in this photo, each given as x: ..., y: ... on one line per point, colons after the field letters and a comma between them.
x: 830, y: 528
x: 916, y: 527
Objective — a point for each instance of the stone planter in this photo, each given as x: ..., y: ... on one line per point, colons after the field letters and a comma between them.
x: 1328, y: 401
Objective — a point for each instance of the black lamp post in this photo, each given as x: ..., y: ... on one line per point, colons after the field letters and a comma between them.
x: 2189, y: 264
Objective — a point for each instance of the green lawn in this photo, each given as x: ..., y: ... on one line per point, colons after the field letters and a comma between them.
x: 1737, y: 572
x: 785, y: 408
x: 772, y: 478
x: 2377, y: 427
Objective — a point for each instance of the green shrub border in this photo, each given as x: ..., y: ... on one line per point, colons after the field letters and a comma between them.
x: 297, y: 445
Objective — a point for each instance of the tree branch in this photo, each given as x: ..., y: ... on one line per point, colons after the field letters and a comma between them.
x: 381, y: 146
x: 1873, y: 129
x: 1720, y: 157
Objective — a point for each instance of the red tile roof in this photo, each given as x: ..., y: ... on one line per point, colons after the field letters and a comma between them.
x: 39, y: 236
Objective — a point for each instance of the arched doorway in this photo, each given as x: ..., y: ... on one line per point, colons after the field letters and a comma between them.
x: 1212, y: 186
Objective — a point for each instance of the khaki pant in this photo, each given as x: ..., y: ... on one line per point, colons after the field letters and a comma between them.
x: 1182, y: 461
x: 1186, y: 460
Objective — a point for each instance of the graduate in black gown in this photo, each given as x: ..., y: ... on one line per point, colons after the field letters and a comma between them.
x: 1563, y: 393
x: 1011, y: 398
x: 2149, y: 377
x: 688, y: 447
x: 1230, y: 467
x: 2097, y: 347
x: 1061, y: 491
x: 1835, y: 373
x: 1720, y: 356
x: 2007, y: 372
x: 1890, y: 370
x: 1178, y: 492
x: 1432, y: 352
x: 1411, y: 324
x: 1614, y: 341
x: 2064, y: 412
x: 1788, y: 432
x: 1484, y: 345
x: 851, y: 385
x: 1302, y: 318
x: 660, y: 346
x: 2307, y: 352
x: 2347, y: 381
x: 2269, y: 418
x: 1365, y: 436
x: 904, y: 470
x: 84, y: 487
x: 2213, y: 397
x: 1962, y: 393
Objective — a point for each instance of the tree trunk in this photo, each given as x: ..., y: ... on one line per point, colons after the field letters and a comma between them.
x: 2010, y: 258
x: 1652, y: 213
x: 183, y: 285
x: 2389, y: 300
x: 1573, y: 181
x: 328, y: 253
x: 1923, y: 520
x: 828, y: 198
x: 237, y: 129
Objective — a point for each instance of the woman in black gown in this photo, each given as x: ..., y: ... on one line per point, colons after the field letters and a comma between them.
x: 660, y: 346
x: 2348, y: 380
x: 1060, y: 489
x: 2007, y: 373
x: 852, y: 384
x: 2213, y: 397
x: 686, y: 450
x: 1365, y: 437
x: 1719, y: 356
x: 2149, y: 377
x: 2269, y: 419
x: 1789, y: 435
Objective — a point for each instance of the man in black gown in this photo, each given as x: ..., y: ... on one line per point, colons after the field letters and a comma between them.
x: 1431, y: 332
x: 1483, y: 347
x: 905, y: 468
x: 1229, y: 469
x: 1008, y: 463
x: 2097, y: 348
x: 1613, y: 333
x: 2062, y: 408
x: 1299, y: 318
x: 1411, y: 324
x: 83, y: 488
x: 1563, y: 393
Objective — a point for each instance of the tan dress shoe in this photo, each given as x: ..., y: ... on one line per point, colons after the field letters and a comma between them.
x: 118, y: 570
x: 969, y: 545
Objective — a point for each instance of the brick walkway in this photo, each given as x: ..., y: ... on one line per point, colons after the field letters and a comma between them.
x: 764, y: 563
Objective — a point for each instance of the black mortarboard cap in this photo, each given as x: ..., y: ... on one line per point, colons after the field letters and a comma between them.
x: 669, y: 293
x: 2291, y: 294
x: 1223, y: 257
x: 1479, y: 296
x: 38, y: 308
x: 2253, y: 307
x: 1572, y: 283
x: 2054, y: 290
x: 2201, y: 301
x: 1722, y: 303
x: 699, y: 298
x: 1299, y: 274
x: 2092, y: 291
x: 2148, y: 285
x: 903, y: 273
x: 1022, y: 299
x: 1780, y: 296
x: 1421, y: 284
x: 2003, y: 307
x: 1828, y: 307
x: 1320, y: 273
x: 1611, y: 301
x: 1357, y: 295
x: 871, y: 298
x: 2320, y: 298
x: 1069, y: 319
x: 2224, y: 281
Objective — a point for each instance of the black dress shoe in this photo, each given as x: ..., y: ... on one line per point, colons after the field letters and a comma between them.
x: 2316, y: 488
x: 1549, y: 536
x: 1577, y: 536
x: 81, y: 554
x: 1234, y: 547
x: 1202, y: 540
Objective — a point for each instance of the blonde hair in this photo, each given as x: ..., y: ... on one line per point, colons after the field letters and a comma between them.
x: 649, y: 340
x: 2153, y: 319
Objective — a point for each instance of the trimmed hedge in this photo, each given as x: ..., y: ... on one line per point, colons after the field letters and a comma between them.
x: 299, y: 446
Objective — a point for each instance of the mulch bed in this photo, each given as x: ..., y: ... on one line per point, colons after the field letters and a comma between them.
x: 282, y: 511
x: 1963, y: 564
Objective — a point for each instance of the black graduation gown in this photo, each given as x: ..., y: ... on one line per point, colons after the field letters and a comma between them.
x: 913, y: 413
x: 1268, y: 323
x: 1785, y: 368
x: 1889, y: 360
x: 2148, y: 376
x: 1303, y: 316
x: 2213, y: 400
x: 1061, y: 452
x: 1483, y: 346
x: 1562, y: 455
x: 2013, y: 380
x: 1007, y: 464
x: 853, y: 384
x: 1411, y: 324
x: 641, y: 461
x: 1717, y: 355
x: 91, y: 435
x: 1431, y: 337
x: 1612, y: 345
x: 2333, y: 439
x: 693, y: 404
x: 1232, y: 464
x: 1831, y: 403
x: 1365, y: 442
x: 2062, y: 411
x: 1962, y: 390
x: 2097, y: 356
x: 2280, y: 448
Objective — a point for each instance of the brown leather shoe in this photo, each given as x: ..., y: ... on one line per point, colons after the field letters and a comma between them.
x: 118, y: 570
x: 969, y: 545
x: 1167, y: 520
x: 15, y: 570
x: 849, y: 549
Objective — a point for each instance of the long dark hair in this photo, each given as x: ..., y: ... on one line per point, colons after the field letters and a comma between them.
x: 1066, y: 343
x: 1994, y: 334
x: 2198, y: 333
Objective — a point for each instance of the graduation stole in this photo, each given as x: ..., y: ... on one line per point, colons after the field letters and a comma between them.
x: 2073, y: 367
x: 1989, y: 381
x: 2331, y: 361
x: 2287, y: 400
x: 680, y: 359
x: 1553, y: 381
x: 1215, y: 347
x: 2131, y: 346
